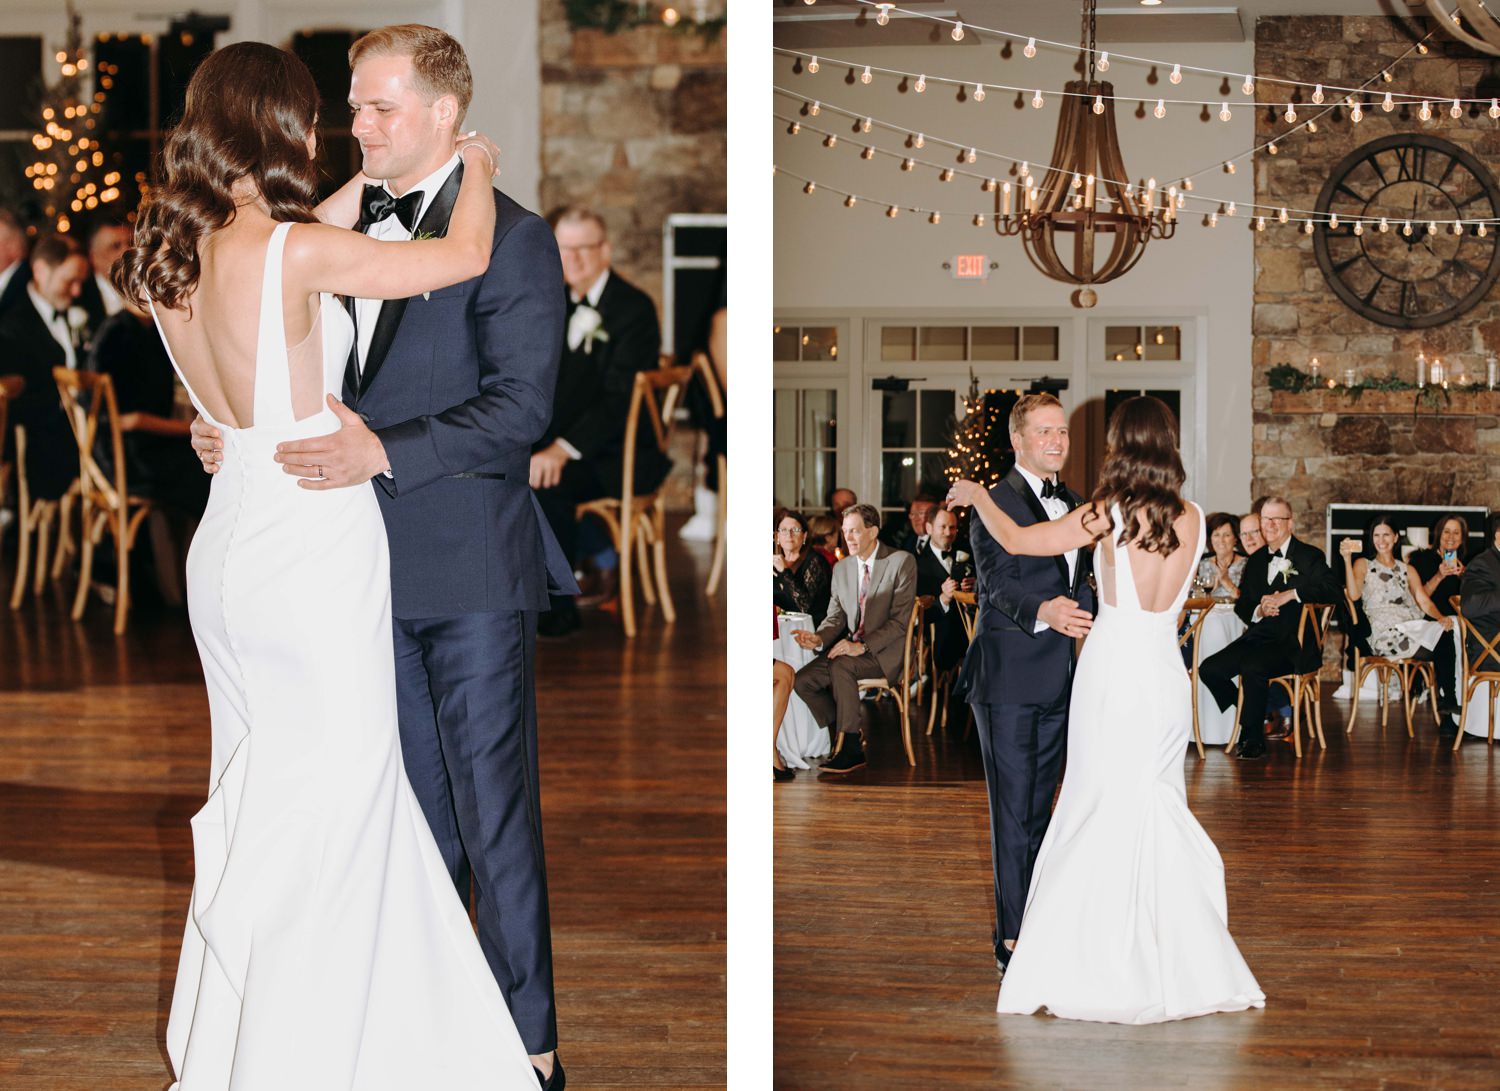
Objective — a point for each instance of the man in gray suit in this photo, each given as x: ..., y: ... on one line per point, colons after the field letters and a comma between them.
x: 863, y: 635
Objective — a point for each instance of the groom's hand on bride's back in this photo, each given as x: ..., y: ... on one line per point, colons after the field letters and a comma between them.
x: 208, y: 444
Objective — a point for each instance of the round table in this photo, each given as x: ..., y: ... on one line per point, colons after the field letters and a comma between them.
x: 800, y: 739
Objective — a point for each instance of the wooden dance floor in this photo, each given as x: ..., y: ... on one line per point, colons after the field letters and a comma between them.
x: 1364, y: 891
x: 103, y: 759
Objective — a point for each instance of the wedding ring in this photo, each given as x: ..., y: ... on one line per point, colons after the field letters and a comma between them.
x: 320, y: 474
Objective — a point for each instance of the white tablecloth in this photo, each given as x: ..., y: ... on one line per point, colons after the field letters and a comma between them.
x: 800, y: 738
x: 1478, y: 720
x: 1221, y: 628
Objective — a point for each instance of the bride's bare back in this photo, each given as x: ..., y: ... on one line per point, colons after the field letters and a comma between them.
x: 214, y: 339
x: 1158, y: 577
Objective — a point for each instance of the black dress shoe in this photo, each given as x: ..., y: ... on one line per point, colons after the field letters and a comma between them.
x: 851, y: 756
x: 783, y: 775
x: 1254, y: 750
x: 559, y: 1078
x: 1448, y: 728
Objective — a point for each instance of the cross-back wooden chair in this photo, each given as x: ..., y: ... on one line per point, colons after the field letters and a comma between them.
x: 1405, y: 672
x: 911, y: 666
x: 704, y: 368
x: 1305, y: 689
x: 107, y: 505
x: 1478, y: 670
x: 1190, y: 633
x: 637, y: 523
x: 34, y: 522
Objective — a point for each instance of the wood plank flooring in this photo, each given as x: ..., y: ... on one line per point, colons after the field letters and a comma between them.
x: 103, y: 759
x: 1364, y: 891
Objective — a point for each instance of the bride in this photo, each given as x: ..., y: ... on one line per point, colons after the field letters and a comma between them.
x: 324, y: 947
x: 1126, y: 920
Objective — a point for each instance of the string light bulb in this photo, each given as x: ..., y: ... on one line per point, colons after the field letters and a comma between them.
x: 1036, y: 99
x: 830, y: 140
x: 1425, y: 113
x: 891, y: 212
x: 1307, y: 228
x: 1103, y: 63
x: 1291, y: 113
x: 1333, y: 220
x: 908, y: 163
x: 1432, y: 227
x: 1229, y: 210
x: 1494, y: 110
x: 866, y: 76
x: 1176, y: 76
x: 1213, y: 219
x: 1029, y: 50
x: 1359, y: 227
x: 921, y: 84
x: 1385, y: 225
x: 1248, y: 87
x: 946, y: 175
x: 979, y: 92
x: 1317, y: 95
x: 1229, y: 166
x: 810, y: 188
x: 1422, y: 48
x: 849, y: 201
x: 1388, y: 103
x: 1312, y: 125
x: 935, y: 218
x: 1282, y: 216
x: 1406, y: 229
x: 1187, y: 184
x: 1098, y: 104
x: 1481, y: 230
x: 979, y: 219
x: 1458, y: 227
x: 1224, y: 114
x: 1356, y: 113
x: 1161, y: 109
x: 989, y: 184
x: 812, y: 66
x: 815, y: 109
x: 1386, y: 75
x: 1025, y: 171
x: 919, y: 141
x: 1272, y: 148
x: 958, y: 31
x: 794, y: 128
x: 883, y: 17
x: 971, y: 156
x: 1455, y: 111
x: 1260, y: 223
x: 868, y: 153
x: 867, y: 124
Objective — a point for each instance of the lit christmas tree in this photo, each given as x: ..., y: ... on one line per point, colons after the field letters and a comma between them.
x: 69, y: 172
x: 969, y: 450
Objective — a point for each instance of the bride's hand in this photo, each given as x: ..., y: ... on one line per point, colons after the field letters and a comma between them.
x: 965, y: 493
x: 486, y: 146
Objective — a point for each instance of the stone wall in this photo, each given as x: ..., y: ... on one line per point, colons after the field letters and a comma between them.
x: 1344, y: 453
x: 633, y: 125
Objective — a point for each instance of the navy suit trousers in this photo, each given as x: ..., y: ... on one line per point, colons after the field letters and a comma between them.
x: 1023, y: 747
x: 467, y: 717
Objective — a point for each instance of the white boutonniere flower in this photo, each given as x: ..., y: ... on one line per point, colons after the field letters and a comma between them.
x: 586, y: 327
x: 1282, y: 566
x: 960, y: 557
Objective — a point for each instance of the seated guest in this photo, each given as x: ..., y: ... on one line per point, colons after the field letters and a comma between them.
x: 942, y: 570
x: 159, y: 462
x: 15, y: 274
x: 782, y: 677
x: 1393, y: 598
x: 37, y: 334
x: 612, y: 334
x: 1276, y: 579
x: 823, y: 535
x: 1250, y: 537
x: 1223, y: 565
x: 863, y: 636
x: 1440, y: 568
x: 108, y: 239
x: 1480, y: 593
x: 839, y: 501
x: 800, y: 576
x: 909, y: 533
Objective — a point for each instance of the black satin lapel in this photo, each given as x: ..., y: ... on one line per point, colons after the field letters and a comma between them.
x: 434, y: 222
x: 1023, y: 489
x: 351, y: 367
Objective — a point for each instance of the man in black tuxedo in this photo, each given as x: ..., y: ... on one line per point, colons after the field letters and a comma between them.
x: 612, y: 333
x: 15, y: 273
x: 108, y: 239
x: 1277, y: 578
x: 1479, y: 593
x: 909, y: 532
x: 942, y: 570
x: 41, y: 330
x: 1018, y: 673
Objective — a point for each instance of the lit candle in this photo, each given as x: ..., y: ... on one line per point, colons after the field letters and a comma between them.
x: 1421, y: 370
x: 1030, y: 199
x: 1351, y: 377
x: 1489, y: 372
x: 1316, y: 368
x: 1437, y: 371
x: 1088, y: 192
x: 1005, y: 199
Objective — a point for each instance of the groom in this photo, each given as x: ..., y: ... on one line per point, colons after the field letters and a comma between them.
x: 1019, y: 669
x: 451, y: 391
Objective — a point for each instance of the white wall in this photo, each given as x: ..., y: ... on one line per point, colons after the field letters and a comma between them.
x: 500, y: 39
x: 831, y: 261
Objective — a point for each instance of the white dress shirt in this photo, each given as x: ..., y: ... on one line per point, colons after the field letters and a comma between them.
x: 1056, y: 508
x: 1271, y: 557
x: 591, y: 298
x: 367, y: 311
x: 113, y: 304
x: 57, y: 325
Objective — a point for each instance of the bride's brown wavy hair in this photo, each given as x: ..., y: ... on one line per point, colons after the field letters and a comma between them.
x: 248, y: 111
x: 1143, y: 474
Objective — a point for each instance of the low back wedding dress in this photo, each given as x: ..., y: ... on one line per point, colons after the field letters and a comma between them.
x: 325, y: 946
x: 1126, y: 920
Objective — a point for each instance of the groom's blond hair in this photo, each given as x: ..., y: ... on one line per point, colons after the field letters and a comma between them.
x: 438, y: 64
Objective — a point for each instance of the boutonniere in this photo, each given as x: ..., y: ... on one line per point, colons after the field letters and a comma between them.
x: 960, y: 556
x: 1283, y: 566
x: 423, y: 236
x: 586, y: 327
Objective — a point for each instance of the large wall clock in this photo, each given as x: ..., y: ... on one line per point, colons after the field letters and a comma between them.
x: 1411, y: 278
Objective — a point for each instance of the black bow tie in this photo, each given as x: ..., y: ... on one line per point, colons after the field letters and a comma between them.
x: 1054, y: 490
x: 376, y: 204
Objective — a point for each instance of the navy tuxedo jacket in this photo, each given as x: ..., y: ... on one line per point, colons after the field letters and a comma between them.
x: 1008, y: 661
x: 458, y: 385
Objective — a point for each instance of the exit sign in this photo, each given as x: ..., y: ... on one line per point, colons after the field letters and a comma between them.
x: 971, y: 267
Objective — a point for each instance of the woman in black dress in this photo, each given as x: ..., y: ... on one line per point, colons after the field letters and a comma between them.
x: 801, y: 578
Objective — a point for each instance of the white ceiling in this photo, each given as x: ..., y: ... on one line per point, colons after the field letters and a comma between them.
x: 839, y: 22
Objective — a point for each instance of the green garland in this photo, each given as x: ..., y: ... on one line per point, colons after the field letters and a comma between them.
x: 1294, y: 380
x: 613, y: 16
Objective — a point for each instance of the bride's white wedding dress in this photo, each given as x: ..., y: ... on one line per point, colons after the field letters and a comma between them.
x: 1126, y: 920
x: 325, y: 946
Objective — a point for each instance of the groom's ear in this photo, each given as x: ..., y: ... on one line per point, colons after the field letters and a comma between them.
x: 448, y: 117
